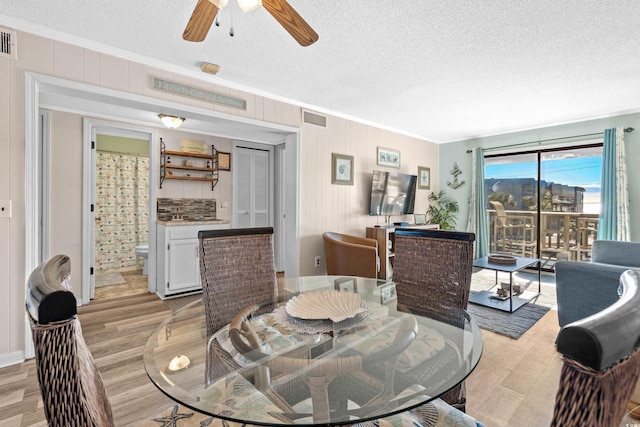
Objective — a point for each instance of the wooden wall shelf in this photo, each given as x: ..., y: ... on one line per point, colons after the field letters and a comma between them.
x: 167, y: 168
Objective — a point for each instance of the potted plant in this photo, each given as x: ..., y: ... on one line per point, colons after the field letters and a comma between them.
x: 442, y: 210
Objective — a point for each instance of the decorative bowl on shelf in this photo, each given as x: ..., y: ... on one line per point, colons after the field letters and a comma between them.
x: 333, y: 305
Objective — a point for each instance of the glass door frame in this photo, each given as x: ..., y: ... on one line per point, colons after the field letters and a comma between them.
x: 539, y: 152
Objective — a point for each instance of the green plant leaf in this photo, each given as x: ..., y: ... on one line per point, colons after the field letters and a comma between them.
x: 442, y: 210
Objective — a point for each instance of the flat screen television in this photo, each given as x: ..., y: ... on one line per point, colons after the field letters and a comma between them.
x: 392, y: 193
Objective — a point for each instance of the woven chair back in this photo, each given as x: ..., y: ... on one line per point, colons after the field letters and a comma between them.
x: 73, y: 393
x: 432, y: 271
x: 237, y: 268
x: 601, y: 355
x: 587, y: 397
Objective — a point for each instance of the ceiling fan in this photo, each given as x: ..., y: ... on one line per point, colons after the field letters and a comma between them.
x: 206, y: 11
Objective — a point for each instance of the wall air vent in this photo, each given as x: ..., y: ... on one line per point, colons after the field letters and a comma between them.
x: 314, y: 119
x: 8, y: 47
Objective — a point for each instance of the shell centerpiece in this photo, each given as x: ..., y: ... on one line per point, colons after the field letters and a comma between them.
x: 333, y: 305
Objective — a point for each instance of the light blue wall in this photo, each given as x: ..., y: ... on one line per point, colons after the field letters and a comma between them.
x: 457, y: 152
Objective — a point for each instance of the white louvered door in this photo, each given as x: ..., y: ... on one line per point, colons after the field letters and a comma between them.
x: 252, y: 188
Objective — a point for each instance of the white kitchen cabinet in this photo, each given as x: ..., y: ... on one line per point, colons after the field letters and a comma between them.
x: 179, y: 258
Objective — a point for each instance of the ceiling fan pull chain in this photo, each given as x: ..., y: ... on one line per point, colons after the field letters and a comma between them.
x: 231, y: 30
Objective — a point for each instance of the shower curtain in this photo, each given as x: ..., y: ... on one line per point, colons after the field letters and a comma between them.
x: 122, y: 209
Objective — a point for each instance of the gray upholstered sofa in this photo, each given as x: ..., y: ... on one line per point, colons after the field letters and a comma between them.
x: 585, y: 288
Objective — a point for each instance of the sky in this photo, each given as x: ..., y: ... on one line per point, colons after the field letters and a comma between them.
x: 582, y: 172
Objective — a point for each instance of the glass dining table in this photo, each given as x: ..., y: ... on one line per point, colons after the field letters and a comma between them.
x: 321, y: 355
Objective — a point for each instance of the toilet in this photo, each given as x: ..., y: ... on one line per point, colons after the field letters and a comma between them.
x: 143, y: 252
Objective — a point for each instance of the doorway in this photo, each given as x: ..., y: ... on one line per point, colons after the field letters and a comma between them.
x: 122, y: 175
x: 120, y: 188
x: 544, y: 203
x: 258, y: 193
x: 253, y: 189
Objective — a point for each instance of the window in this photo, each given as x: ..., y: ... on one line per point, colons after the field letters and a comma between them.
x: 551, y: 201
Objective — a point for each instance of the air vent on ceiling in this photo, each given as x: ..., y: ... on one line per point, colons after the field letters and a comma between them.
x: 8, y: 46
x: 314, y: 119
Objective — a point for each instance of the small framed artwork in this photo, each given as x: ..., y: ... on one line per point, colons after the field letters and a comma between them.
x: 421, y: 219
x: 346, y: 284
x: 387, y: 294
x: 224, y: 161
x: 388, y: 157
x: 341, y: 169
x: 424, y: 178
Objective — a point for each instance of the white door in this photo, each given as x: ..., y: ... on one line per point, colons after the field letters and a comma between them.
x: 91, y: 248
x: 280, y: 206
x: 253, y: 188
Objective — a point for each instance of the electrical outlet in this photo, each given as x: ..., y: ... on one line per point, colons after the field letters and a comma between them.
x: 317, y: 261
x: 5, y: 208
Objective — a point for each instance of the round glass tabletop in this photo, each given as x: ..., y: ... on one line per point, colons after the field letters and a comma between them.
x: 380, y: 359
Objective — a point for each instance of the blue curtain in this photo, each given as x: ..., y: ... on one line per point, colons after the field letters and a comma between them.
x: 607, y: 224
x: 477, y: 207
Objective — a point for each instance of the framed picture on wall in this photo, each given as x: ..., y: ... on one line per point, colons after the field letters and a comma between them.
x: 388, y: 157
x: 341, y: 169
x: 424, y: 178
x: 224, y: 161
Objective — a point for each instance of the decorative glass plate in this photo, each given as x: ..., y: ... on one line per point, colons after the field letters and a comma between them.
x: 334, y: 305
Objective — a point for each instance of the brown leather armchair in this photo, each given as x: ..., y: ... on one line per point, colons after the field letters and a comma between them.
x: 351, y: 255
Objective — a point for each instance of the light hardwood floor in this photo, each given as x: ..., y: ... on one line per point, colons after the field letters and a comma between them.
x: 115, y: 330
x: 514, y: 384
x: 516, y: 381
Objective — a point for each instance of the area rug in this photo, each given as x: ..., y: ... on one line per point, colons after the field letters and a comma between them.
x: 108, y: 278
x: 512, y: 325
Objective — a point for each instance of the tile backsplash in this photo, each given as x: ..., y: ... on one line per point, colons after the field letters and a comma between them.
x: 187, y: 209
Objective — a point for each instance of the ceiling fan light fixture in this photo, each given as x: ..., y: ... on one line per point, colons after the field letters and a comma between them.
x: 220, y: 4
x: 249, y: 5
x: 172, y: 122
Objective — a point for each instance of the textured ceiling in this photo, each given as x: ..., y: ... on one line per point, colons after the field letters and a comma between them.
x: 440, y: 70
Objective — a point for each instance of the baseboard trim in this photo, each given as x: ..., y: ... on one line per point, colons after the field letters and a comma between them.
x: 11, y: 359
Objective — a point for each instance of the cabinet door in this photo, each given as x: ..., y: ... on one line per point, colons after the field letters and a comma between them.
x: 184, y: 265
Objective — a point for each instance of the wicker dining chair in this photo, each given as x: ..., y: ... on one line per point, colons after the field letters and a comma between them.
x: 601, y: 355
x: 432, y: 273
x: 73, y: 393
x: 237, y: 269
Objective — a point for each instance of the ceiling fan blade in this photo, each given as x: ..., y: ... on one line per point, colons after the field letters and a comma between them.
x: 291, y: 21
x: 200, y: 21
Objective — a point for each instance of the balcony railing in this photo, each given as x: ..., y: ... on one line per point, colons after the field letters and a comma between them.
x: 561, y: 235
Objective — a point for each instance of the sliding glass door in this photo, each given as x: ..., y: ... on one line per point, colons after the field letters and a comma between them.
x: 511, y: 186
x: 544, y: 204
x: 571, y: 202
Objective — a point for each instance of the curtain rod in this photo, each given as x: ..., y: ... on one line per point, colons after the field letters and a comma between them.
x: 123, y: 153
x: 627, y: 130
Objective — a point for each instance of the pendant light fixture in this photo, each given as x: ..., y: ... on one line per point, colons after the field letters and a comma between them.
x: 172, y: 122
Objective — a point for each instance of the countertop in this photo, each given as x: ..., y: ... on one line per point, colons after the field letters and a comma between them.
x: 174, y: 222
